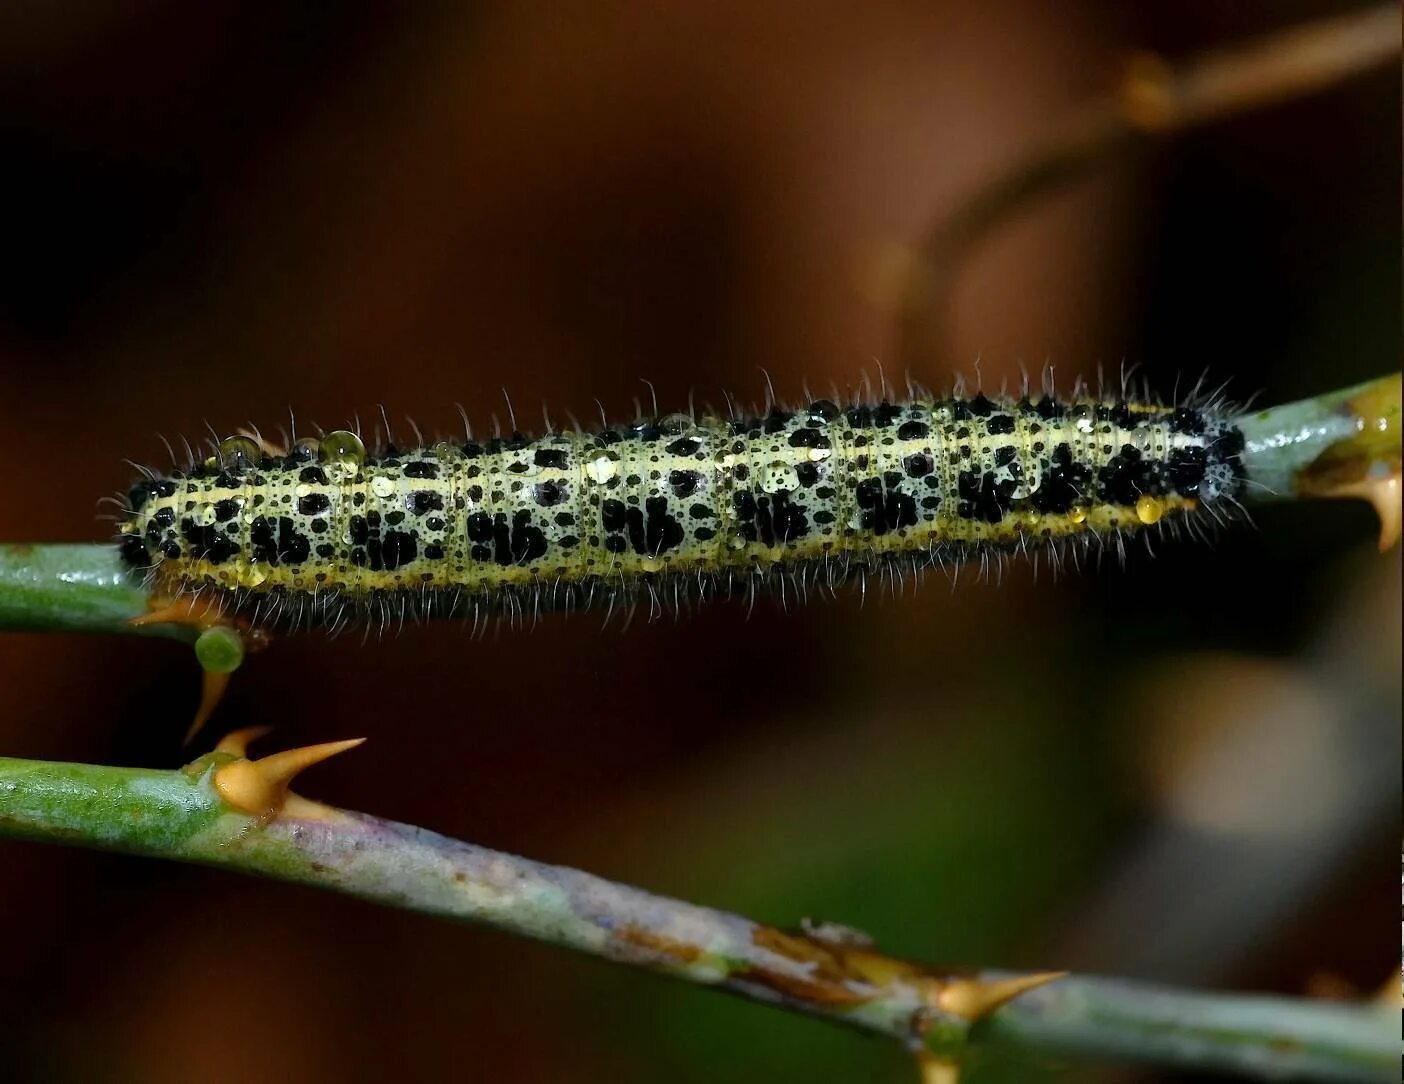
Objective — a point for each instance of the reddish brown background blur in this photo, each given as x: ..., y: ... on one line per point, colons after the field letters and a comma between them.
x: 1186, y: 769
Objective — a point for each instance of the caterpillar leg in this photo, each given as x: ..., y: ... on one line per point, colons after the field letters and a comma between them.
x: 220, y: 646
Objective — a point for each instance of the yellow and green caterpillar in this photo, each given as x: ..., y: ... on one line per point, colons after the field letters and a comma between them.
x: 681, y: 504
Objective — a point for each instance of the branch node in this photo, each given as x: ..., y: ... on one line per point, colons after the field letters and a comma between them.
x: 1367, y: 464
x: 260, y: 787
x: 975, y: 999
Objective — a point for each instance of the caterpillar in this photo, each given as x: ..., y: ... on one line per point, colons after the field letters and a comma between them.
x: 679, y: 506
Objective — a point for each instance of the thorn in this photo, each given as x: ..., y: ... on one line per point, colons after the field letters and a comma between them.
x: 236, y: 742
x: 1365, y: 465
x: 213, y: 683
x: 936, y: 1070
x: 1383, y: 495
x: 260, y: 787
x: 975, y: 999
x: 219, y: 647
x: 197, y: 611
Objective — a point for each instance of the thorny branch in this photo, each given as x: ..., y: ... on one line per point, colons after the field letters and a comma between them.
x: 1154, y: 100
x: 227, y: 810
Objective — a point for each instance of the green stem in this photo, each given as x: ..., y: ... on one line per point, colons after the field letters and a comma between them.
x: 182, y: 815
x: 1311, y: 447
x: 1264, y: 1037
x: 72, y: 588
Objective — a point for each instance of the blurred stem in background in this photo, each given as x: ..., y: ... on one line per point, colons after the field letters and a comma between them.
x: 1156, y: 99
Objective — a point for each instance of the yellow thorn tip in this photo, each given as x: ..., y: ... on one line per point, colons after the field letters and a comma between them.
x: 1380, y: 493
x: 212, y: 687
x: 1384, y: 495
x: 237, y: 742
x: 975, y: 999
x: 283, y: 767
x: 260, y: 787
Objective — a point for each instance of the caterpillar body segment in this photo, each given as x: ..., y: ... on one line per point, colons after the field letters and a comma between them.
x: 674, y: 506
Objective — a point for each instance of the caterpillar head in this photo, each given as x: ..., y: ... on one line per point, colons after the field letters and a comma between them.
x: 1223, y: 471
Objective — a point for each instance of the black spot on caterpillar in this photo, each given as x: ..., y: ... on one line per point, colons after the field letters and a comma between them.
x: 672, y: 508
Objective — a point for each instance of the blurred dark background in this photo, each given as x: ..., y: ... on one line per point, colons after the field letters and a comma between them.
x: 1186, y: 769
